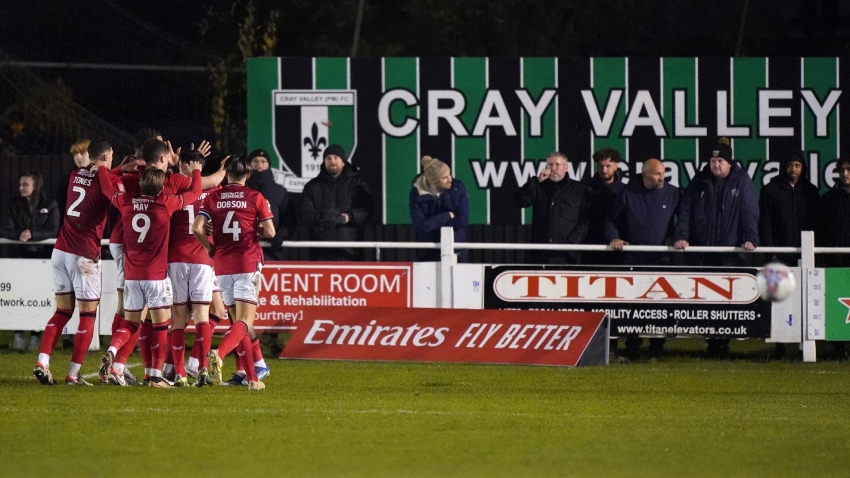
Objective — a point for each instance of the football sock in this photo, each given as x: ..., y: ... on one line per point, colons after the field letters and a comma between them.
x: 117, y: 321
x: 203, y: 339
x: 250, y: 372
x: 241, y: 358
x: 145, y: 338
x: 159, y: 346
x: 52, y: 332
x: 233, y: 337
x: 127, y: 349
x: 177, y: 341
x: 240, y: 362
x: 74, y: 369
x: 169, y: 362
x: 122, y: 336
x: 82, y: 339
x: 258, y: 354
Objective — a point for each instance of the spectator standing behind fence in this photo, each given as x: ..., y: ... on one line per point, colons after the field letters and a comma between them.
x: 437, y: 200
x: 335, y: 205
x: 719, y: 208
x: 262, y: 180
x: 31, y: 216
x: 81, y: 160
x: 787, y: 206
x: 833, y: 228
x: 602, y: 188
x: 560, y: 208
x: 643, y: 214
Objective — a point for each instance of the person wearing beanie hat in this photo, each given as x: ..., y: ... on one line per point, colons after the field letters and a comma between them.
x: 262, y: 179
x: 335, y: 205
x: 437, y: 200
x: 719, y: 208
x: 787, y: 206
x: 723, y: 150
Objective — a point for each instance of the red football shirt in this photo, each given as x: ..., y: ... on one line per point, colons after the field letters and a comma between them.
x: 147, y: 220
x: 235, y: 211
x: 174, y: 184
x: 182, y: 244
x: 86, y: 215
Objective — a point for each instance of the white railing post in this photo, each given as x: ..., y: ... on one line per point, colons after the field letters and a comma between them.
x: 447, y: 262
x: 807, y: 264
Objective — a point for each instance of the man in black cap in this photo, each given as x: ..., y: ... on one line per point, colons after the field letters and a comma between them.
x: 335, y: 205
x: 719, y: 208
x: 262, y: 180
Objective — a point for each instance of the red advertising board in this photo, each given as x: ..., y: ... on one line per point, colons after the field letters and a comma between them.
x: 288, y: 289
x: 451, y: 335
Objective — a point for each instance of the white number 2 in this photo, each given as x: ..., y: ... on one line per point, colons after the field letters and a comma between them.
x: 191, y: 210
x: 71, y: 211
x: 231, y: 226
x: 144, y: 228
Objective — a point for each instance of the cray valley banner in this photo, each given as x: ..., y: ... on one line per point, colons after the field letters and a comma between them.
x: 647, y: 301
x: 494, y: 120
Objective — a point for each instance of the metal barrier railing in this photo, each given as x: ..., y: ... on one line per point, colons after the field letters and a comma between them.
x: 448, y: 259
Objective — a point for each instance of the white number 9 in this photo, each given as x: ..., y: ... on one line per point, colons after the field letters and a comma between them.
x: 144, y: 228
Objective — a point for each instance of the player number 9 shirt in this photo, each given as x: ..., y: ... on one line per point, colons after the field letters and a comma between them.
x: 235, y: 212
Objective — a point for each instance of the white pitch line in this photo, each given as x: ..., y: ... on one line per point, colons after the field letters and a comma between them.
x: 443, y: 413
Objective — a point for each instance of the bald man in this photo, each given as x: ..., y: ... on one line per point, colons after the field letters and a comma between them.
x: 643, y: 214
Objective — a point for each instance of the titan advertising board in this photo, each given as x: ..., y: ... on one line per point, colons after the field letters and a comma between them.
x: 646, y: 301
x: 494, y: 120
x: 451, y: 335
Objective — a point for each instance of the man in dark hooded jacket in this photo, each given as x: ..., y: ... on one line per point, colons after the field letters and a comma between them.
x: 335, y: 205
x: 262, y: 180
x: 787, y: 206
x: 833, y: 228
x: 719, y: 208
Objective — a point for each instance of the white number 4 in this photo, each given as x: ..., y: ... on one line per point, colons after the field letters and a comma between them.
x: 231, y: 226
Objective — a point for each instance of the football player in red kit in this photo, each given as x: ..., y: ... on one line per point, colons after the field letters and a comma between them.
x: 158, y: 155
x: 116, y: 244
x: 147, y: 220
x: 76, y: 264
x: 240, y: 216
x: 190, y: 269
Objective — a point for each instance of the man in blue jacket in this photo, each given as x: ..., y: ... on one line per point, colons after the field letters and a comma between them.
x: 719, y: 208
x: 643, y: 213
x: 437, y: 200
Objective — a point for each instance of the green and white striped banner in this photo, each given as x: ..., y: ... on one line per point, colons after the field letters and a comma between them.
x: 495, y: 120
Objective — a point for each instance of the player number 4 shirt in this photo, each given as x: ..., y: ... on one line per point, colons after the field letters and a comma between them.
x: 235, y: 212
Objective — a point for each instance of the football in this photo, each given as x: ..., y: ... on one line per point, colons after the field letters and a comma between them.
x: 775, y: 282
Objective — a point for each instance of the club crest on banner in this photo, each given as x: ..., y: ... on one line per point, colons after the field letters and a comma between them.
x: 305, y: 122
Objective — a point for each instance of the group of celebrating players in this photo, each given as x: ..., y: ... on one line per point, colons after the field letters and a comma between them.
x: 184, y: 244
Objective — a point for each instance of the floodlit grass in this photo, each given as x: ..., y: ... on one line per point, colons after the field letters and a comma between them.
x: 679, y: 417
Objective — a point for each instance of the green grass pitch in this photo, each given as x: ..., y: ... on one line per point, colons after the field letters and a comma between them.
x: 679, y: 417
